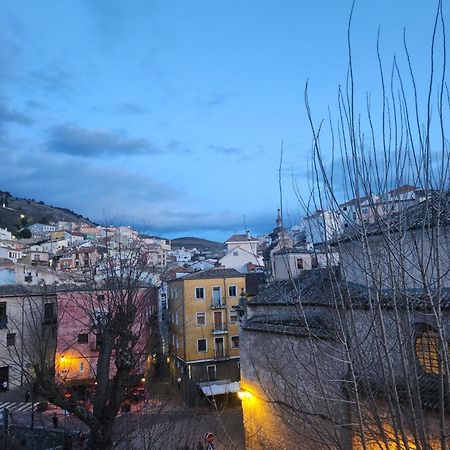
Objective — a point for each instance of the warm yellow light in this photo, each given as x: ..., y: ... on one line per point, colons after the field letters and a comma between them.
x: 143, y: 379
x: 243, y: 395
x: 62, y: 357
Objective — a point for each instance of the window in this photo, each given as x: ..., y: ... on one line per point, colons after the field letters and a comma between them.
x: 199, y: 293
x: 233, y: 316
x: 211, y: 373
x: 98, y: 341
x: 11, y: 339
x: 216, y: 296
x: 234, y: 341
x: 427, y: 351
x: 100, y: 297
x: 82, y: 367
x: 49, y: 312
x: 201, y: 345
x: 3, y: 316
x: 201, y: 319
x: 232, y: 291
x: 83, y: 339
x: 299, y: 263
x: 177, y: 343
x: 176, y: 318
x: 100, y: 316
x: 235, y: 253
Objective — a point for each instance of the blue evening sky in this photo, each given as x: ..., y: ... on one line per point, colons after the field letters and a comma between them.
x: 169, y: 115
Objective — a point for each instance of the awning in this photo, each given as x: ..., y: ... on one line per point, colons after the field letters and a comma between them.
x: 215, y: 388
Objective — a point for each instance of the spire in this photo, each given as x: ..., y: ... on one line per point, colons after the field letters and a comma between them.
x: 279, y: 219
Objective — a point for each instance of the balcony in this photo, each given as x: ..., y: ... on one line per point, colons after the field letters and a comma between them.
x: 218, y: 304
x: 220, y: 328
x: 221, y: 353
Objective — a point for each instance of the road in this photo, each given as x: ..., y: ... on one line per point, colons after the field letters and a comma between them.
x: 156, y: 426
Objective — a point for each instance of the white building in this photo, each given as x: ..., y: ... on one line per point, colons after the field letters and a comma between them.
x: 41, y: 229
x: 5, y: 234
x: 322, y: 226
x: 244, y: 241
x: 10, y: 253
x: 238, y: 258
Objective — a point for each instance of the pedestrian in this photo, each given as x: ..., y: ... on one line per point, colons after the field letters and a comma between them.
x: 55, y: 420
x: 27, y: 396
x: 200, y: 446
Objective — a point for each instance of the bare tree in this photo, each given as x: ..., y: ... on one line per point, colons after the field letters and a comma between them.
x: 365, y: 347
x: 100, y: 329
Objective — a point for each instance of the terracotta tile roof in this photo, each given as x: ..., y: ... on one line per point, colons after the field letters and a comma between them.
x: 218, y: 272
x: 240, y: 238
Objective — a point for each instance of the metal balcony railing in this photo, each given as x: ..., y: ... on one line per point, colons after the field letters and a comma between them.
x: 218, y: 303
x: 220, y: 328
x: 221, y: 353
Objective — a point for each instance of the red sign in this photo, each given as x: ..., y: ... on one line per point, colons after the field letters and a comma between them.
x: 209, y: 438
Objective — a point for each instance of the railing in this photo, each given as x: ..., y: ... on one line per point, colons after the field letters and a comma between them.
x: 218, y: 304
x: 220, y: 353
x: 220, y: 328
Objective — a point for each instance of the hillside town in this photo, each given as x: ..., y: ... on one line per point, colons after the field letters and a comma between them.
x: 210, y: 325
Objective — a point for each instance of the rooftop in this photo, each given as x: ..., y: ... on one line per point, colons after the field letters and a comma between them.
x: 217, y: 272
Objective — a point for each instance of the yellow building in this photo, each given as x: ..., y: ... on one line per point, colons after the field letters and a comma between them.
x: 204, y: 332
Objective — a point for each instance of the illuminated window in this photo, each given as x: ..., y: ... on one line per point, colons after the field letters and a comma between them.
x: 427, y: 351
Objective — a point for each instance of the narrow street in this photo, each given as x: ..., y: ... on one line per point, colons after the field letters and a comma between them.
x: 163, y: 422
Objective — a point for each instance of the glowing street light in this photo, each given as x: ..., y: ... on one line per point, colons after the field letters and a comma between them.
x: 244, y: 395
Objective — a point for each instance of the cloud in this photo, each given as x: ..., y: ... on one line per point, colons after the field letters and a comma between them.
x: 84, y: 186
x: 51, y: 79
x: 214, y: 100
x: 9, y: 115
x: 32, y: 104
x: 177, y: 147
x: 226, y: 150
x: 130, y: 108
x: 77, y: 141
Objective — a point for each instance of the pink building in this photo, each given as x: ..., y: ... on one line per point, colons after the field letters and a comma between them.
x: 83, y: 315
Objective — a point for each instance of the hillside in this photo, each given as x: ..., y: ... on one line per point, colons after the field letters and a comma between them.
x: 34, y: 212
x: 198, y: 243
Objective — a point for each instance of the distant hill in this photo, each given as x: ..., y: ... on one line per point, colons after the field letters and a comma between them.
x: 34, y: 212
x: 200, y: 244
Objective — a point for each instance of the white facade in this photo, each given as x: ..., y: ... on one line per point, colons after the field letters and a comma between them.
x: 181, y: 255
x: 244, y: 241
x: 10, y: 253
x: 39, y: 229
x: 322, y: 226
x: 239, y: 257
x: 5, y: 234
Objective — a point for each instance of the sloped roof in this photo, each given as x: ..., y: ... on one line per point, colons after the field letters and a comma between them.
x: 218, y: 272
x: 324, y: 287
x: 427, y: 214
x: 240, y: 238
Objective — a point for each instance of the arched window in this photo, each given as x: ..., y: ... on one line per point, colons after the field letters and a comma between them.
x: 428, y: 350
